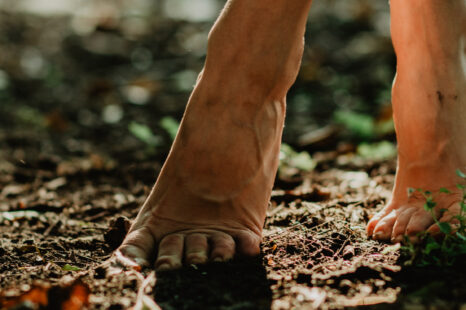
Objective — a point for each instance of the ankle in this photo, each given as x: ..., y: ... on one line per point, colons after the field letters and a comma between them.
x: 228, y: 93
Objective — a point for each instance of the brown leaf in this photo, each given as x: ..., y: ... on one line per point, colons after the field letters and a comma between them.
x: 79, y: 297
x: 71, y: 297
x: 36, y: 295
x: 14, y: 190
x: 56, y: 183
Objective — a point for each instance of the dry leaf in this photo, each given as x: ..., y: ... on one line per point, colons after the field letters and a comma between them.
x: 71, y: 297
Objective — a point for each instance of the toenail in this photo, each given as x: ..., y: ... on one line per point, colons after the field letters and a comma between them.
x: 397, y: 239
x: 140, y: 262
x: 379, y: 235
x: 164, y: 267
x: 196, y: 261
x: 218, y: 260
x: 196, y: 258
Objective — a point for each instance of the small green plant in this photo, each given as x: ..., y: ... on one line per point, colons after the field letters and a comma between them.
x: 447, y: 250
x: 144, y: 133
x: 377, y: 151
x: 289, y: 158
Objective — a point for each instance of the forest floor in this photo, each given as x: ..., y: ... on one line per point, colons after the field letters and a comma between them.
x: 61, y: 219
x: 77, y: 98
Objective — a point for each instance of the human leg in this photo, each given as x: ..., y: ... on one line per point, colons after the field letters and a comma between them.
x: 429, y: 103
x: 210, y: 199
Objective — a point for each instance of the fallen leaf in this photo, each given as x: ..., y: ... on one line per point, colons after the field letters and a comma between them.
x: 56, y: 183
x: 36, y: 295
x: 18, y: 215
x: 79, y: 297
x: 68, y: 267
x: 14, y: 190
x: 70, y: 297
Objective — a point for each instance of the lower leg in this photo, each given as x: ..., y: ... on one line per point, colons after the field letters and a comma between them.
x: 211, y: 195
x: 429, y: 103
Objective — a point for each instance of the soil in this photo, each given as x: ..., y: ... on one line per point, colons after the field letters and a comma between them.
x: 315, y: 253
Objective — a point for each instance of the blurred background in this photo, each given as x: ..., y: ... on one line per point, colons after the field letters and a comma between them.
x: 109, y: 79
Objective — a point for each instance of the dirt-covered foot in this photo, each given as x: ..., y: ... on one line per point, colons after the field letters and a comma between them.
x: 429, y: 102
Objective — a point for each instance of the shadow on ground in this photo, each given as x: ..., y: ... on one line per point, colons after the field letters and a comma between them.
x: 240, y: 284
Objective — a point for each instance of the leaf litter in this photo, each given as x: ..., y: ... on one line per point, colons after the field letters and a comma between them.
x: 315, y: 253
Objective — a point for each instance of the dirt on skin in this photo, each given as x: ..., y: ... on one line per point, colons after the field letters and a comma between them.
x: 61, y: 219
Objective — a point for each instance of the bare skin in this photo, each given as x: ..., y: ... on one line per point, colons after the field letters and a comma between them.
x: 209, y: 202
x: 429, y: 103
x: 210, y: 199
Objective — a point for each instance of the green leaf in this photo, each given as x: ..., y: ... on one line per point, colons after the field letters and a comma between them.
x: 431, y: 246
x: 459, y: 217
x: 461, y: 236
x: 377, y: 151
x: 410, y: 191
x: 460, y: 174
x: 444, y: 190
x: 68, y: 267
x: 460, y: 186
x: 445, y: 228
x: 359, y: 125
x: 144, y: 133
x: 291, y: 158
x: 170, y: 125
x: 463, y: 206
x: 303, y: 161
x: 429, y: 205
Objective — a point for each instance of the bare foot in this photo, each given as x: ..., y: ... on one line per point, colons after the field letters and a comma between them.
x: 211, y: 196
x: 429, y: 102
x: 210, y: 200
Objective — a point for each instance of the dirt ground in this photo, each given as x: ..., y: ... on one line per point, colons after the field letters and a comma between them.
x: 315, y: 254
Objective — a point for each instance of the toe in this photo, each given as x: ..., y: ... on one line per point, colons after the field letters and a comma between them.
x: 137, y: 247
x: 447, y: 217
x: 419, y: 222
x: 384, y: 227
x: 399, y: 228
x: 223, y: 247
x: 248, y: 243
x: 170, y: 252
x: 375, y: 220
x: 196, y: 248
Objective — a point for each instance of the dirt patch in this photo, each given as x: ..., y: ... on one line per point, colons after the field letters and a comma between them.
x: 59, y: 226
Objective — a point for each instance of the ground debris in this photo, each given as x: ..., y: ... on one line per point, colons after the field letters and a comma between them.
x: 74, y: 296
x: 117, y: 231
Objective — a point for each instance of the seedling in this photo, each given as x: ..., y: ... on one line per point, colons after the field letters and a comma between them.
x: 447, y: 250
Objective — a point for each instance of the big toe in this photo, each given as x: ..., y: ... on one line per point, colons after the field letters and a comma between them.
x: 248, y: 243
x: 375, y: 220
x: 136, y: 249
x: 384, y: 227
